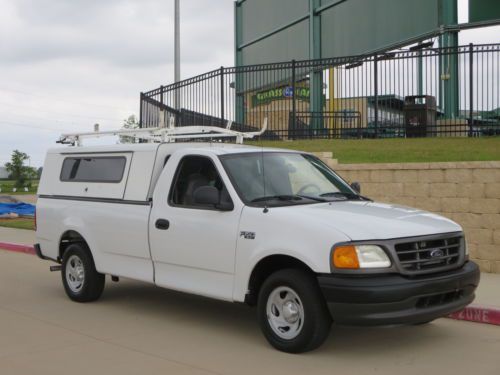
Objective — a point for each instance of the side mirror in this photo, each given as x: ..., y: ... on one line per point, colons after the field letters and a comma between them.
x: 356, y: 187
x: 210, y: 196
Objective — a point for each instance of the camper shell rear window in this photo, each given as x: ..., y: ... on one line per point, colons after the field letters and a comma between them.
x: 108, y: 169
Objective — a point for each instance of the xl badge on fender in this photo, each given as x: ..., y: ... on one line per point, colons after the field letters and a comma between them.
x: 248, y: 235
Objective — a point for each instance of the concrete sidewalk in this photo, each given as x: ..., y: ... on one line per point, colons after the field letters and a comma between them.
x: 17, y: 236
x: 26, y: 198
x: 488, y: 293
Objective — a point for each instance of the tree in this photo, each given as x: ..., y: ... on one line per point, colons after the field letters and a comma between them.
x: 129, y: 123
x: 18, y: 171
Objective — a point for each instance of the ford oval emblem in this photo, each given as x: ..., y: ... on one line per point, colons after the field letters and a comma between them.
x: 437, y: 253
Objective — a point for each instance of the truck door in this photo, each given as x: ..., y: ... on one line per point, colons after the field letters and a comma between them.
x: 193, y: 245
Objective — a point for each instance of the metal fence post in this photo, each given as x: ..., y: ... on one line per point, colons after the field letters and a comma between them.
x: 471, y: 89
x: 375, y: 84
x: 141, y: 101
x: 222, y: 93
x: 161, y: 113
x: 294, y: 108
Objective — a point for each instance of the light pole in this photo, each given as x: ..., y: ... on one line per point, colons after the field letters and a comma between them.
x: 177, y: 52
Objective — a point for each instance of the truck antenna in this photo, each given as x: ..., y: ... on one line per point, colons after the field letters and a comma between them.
x: 266, y: 210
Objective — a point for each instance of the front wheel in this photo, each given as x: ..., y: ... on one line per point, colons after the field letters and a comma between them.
x: 292, y: 312
x: 80, y: 278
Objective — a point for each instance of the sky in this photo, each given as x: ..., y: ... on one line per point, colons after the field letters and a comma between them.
x: 68, y: 64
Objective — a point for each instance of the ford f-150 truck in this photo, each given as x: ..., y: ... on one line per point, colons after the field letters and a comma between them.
x: 268, y: 227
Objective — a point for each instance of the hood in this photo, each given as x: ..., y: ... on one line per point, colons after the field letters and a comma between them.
x: 374, y: 221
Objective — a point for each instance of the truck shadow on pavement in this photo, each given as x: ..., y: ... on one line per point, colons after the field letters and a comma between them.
x: 239, y: 321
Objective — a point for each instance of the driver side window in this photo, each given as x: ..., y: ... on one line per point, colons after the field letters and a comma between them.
x: 192, y: 173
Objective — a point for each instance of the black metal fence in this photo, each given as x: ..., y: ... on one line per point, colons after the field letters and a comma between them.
x: 421, y: 92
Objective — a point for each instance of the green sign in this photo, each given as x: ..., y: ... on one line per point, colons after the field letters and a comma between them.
x: 484, y: 10
x: 268, y: 96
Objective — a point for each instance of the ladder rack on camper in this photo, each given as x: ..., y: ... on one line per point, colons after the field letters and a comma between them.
x: 166, y: 134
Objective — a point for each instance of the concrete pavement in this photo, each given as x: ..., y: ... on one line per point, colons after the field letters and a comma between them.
x: 26, y: 198
x: 18, y: 236
x: 136, y: 328
x: 488, y: 292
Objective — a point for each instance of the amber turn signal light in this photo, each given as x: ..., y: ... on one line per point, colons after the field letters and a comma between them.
x: 345, y: 257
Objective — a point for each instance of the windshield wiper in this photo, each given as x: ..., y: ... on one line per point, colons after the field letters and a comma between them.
x: 346, y: 195
x: 285, y: 197
x: 277, y: 197
x: 318, y: 199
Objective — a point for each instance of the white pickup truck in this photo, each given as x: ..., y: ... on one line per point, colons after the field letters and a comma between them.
x: 268, y: 227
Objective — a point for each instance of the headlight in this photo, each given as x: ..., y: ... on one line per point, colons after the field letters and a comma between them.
x: 360, y: 256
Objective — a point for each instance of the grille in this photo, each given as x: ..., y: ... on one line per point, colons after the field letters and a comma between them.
x: 430, y: 254
x: 439, y: 299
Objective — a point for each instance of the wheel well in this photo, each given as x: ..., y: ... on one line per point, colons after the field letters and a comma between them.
x: 70, y: 237
x: 265, y: 268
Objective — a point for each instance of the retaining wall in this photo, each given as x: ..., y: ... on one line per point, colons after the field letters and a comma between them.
x: 466, y: 192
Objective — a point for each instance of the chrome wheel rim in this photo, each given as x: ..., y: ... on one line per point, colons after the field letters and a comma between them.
x: 285, y: 312
x: 75, y: 273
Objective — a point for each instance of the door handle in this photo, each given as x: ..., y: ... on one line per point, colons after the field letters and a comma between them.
x: 162, y: 224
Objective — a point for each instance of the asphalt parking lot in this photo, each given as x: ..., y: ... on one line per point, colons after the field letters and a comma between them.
x: 136, y: 328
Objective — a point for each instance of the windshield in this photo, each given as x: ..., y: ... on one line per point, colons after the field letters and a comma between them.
x: 281, y: 178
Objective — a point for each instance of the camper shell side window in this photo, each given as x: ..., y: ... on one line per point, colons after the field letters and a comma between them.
x: 106, y: 169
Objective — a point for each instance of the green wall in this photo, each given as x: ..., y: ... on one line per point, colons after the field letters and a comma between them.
x: 263, y: 16
x: 284, y: 46
x: 484, y: 10
x: 279, y: 30
x: 360, y: 26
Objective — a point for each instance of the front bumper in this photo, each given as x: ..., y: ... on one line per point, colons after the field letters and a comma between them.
x: 395, y: 299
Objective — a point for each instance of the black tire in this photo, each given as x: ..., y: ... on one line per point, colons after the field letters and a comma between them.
x: 316, y: 317
x: 91, y: 286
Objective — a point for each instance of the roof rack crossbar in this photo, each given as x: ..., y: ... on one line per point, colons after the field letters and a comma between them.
x: 166, y: 134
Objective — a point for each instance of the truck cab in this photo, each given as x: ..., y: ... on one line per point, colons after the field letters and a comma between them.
x: 272, y: 228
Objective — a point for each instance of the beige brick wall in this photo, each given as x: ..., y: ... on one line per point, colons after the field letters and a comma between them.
x: 466, y: 192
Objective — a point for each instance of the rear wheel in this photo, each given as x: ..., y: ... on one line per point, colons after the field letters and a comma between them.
x: 292, y: 312
x: 80, y: 278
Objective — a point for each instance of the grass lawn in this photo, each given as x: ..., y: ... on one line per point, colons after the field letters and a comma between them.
x: 398, y: 150
x: 8, y: 185
x: 21, y: 223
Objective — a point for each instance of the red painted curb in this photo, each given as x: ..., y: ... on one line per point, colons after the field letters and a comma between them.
x: 478, y: 314
x: 17, y: 248
x: 472, y: 313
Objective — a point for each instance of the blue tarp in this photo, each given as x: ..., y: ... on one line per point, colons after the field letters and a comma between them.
x: 24, y: 209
